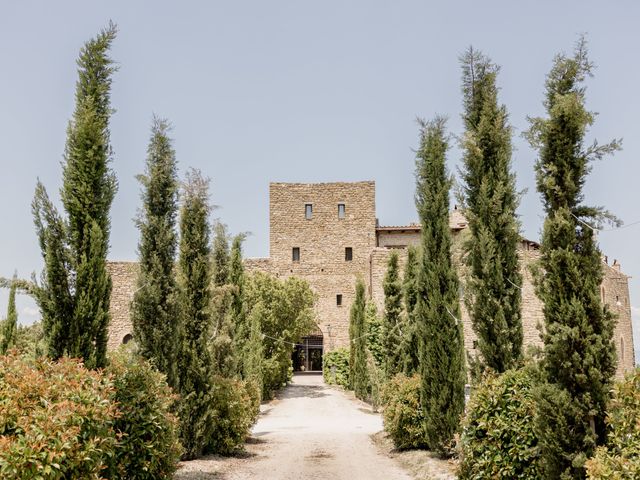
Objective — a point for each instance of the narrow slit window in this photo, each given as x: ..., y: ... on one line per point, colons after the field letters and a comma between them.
x: 308, y: 211
x: 341, y: 210
x: 339, y: 300
x: 295, y: 254
x: 348, y: 254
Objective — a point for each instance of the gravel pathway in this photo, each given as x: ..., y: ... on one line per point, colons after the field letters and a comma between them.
x: 310, y: 432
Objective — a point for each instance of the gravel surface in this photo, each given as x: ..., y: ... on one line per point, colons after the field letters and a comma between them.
x: 310, y: 432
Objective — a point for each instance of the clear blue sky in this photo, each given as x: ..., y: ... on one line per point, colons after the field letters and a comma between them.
x: 302, y: 91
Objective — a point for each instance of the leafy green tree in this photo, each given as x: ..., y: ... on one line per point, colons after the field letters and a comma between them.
x: 437, y: 310
x: 155, y: 308
x: 286, y: 315
x: 253, y: 351
x: 10, y: 324
x: 409, y: 346
x: 579, y: 356
x: 360, y: 379
x: 75, y: 287
x: 195, y: 368
x: 392, y: 326
x: 495, y: 281
x: 375, y: 336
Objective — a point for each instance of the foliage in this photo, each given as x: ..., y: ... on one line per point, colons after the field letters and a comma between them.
x: 579, y: 356
x: 220, y: 255
x: 56, y: 420
x: 195, y: 365
x: 442, y: 367
x: 75, y: 287
x: 30, y: 340
x: 224, y: 355
x: 403, y: 415
x: 242, y: 327
x: 287, y: 314
x: 9, y: 325
x: 336, y: 361
x: 409, y: 346
x: 375, y: 336
x: 233, y: 414
x: 620, y: 458
x: 253, y: 354
x: 377, y: 380
x: 498, y: 437
x: 148, y: 446
x: 155, y: 309
x: 360, y: 380
x: 392, y: 325
x: 493, y: 288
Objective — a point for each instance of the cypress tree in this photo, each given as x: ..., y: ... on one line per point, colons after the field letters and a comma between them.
x: 75, y: 290
x: 10, y: 324
x: 242, y: 327
x: 494, y: 285
x: 220, y: 255
x: 579, y: 356
x: 253, y: 349
x: 392, y: 286
x: 195, y: 366
x: 409, y: 346
x: 437, y: 308
x: 360, y: 380
x: 155, y: 309
x: 375, y: 337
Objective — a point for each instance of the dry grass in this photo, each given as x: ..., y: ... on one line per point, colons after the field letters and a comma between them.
x: 420, y: 464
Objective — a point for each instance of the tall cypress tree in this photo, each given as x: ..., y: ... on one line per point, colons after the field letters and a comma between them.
x: 375, y: 334
x: 495, y: 282
x: 220, y: 255
x: 195, y: 366
x: 155, y: 309
x: 392, y: 327
x: 409, y: 346
x: 10, y: 324
x: 579, y: 356
x: 75, y: 290
x: 360, y: 379
x: 242, y: 327
x: 437, y: 308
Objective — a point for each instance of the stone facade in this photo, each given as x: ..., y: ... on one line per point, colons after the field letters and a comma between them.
x: 322, y: 220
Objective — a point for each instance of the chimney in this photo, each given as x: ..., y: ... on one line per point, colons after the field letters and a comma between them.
x: 616, y: 266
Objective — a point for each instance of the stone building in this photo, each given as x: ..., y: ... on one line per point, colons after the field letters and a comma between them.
x: 328, y: 234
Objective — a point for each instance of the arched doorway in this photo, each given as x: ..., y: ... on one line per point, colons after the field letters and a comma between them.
x: 307, y: 355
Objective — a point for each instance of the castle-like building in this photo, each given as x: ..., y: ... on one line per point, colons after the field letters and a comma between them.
x: 328, y: 234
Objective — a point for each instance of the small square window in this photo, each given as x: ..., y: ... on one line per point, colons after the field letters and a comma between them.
x: 339, y: 300
x: 308, y: 211
x: 341, y: 210
x: 348, y: 254
x: 295, y: 254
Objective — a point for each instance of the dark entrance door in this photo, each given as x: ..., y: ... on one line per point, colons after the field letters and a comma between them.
x: 307, y: 356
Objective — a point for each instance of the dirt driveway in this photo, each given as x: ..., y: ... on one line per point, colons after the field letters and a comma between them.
x: 310, y: 432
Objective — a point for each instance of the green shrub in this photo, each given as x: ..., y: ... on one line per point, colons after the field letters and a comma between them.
x: 234, y: 414
x: 148, y: 446
x: 498, y: 439
x: 56, y: 420
x: 620, y: 458
x: 339, y: 360
x: 403, y: 416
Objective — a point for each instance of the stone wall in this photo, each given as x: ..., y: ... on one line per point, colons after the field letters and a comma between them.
x: 615, y: 291
x: 123, y: 277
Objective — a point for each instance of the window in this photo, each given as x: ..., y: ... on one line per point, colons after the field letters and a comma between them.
x: 127, y: 338
x: 295, y: 254
x: 308, y: 211
x: 348, y: 254
x: 339, y: 300
x: 341, y: 210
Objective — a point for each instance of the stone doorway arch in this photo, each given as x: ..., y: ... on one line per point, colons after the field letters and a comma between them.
x: 307, y: 355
